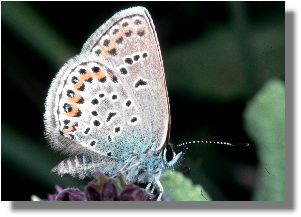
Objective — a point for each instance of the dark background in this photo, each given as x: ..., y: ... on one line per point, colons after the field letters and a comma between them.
x: 216, y: 56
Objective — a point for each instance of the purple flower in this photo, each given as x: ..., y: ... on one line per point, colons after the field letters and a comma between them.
x: 92, y: 193
x: 134, y: 192
x: 71, y: 194
x: 102, y: 189
x: 58, y: 190
x: 109, y: 191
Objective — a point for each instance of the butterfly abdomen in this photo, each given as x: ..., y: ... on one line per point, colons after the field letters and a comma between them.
x: 86, y: 165
x: 77, y: 166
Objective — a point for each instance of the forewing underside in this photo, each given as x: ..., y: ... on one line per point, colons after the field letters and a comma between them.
x: 129, y: 43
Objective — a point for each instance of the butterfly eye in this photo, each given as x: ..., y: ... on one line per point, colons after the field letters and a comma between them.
x: 168, y: 153
x: 170, y: 157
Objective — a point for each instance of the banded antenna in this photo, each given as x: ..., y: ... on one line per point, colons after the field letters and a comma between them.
x: 211, y: 142
x: 185, y: 145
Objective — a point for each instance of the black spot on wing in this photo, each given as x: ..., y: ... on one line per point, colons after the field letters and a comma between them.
x: 128, y: 33
x: 74, y: 80
x: 95, y: 69
x: 94, y: 101
x: 123, y: 71
x: 82, y: 71
x: 114, y: 96
x: 94, y: 113
x: 128, y: 103
x: 136, y: 57
x: 115, y: 31
x: 137, y: 22
x: 144, y: 55
x: 113, y: 52
x: 141, y: 32
x: 111, y: 115
x: 87, y: 130
x: 117, y: 129
x: 70, y: 93
x: 125, y: 24
x: 67, y: 107
x: 119, y: 40
x: 114, y: 79
x: 128, y: 61
x: 96, y: 123
x: 103, y: 80
x: 81, y: 101
x: 106, y: 42
x: 140, y: 82
x: 97, y: 52
x: 134, y: 119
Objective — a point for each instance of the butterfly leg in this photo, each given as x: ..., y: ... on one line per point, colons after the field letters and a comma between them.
x: 148, y: 187
x: 153, y: 188
x: 134, y: 165
x: 127, y: 165
x: 159, y: 187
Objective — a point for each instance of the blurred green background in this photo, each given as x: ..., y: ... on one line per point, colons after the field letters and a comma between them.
x: 224, y: 64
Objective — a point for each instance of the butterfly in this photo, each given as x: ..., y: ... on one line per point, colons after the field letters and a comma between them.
x: 108, y: 107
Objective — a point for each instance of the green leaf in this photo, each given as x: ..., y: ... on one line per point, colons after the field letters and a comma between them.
x: 265, y: 123
x: 182, y: 188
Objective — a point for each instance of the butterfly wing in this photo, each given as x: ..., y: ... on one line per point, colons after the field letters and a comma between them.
x: 111, y: 100
x: 128, y: 41
x: 89, y: 110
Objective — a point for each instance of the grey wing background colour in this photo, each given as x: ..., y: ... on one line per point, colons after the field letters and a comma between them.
x: 127, y: 36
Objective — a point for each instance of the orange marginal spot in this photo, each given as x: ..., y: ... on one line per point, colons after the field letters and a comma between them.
x: 141, y: 31
x: 87, y: 76
x: 104, y: 54
x: 77, y: 97
x: 112, y: 45
x: 70, y: 128
x: 118, y: 37
x: 79, y: 84
x: 121, y: 34
x: 82, y: 77
x: 74, y: 111
x: 106, y: 49
x: 99, y: 75
x: 126, y: 30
